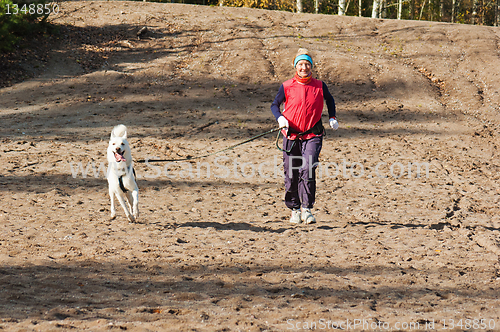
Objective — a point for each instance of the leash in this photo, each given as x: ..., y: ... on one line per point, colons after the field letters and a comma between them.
x: 216, y: 152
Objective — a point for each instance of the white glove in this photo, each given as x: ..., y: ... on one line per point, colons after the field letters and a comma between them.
x: 334, y: 123
x: 283, y: 122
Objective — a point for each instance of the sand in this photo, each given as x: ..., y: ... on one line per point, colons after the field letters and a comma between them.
x: 408, y: 230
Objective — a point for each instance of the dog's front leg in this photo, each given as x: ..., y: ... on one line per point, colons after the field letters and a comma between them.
x: 113, y: 211
x: 135, y: 203
x: 124, y: 204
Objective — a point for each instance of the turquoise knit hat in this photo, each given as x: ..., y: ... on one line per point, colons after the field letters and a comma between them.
x: 302, y: 57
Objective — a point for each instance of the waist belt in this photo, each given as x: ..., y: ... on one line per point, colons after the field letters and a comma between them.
x: 317, y: 129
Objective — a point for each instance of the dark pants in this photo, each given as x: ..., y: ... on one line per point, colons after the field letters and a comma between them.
x: 300, y: 171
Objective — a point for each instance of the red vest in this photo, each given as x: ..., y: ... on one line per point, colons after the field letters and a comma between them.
x: 303, y: 106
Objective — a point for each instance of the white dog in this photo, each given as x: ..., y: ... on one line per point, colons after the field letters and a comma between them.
x: 121, y: 174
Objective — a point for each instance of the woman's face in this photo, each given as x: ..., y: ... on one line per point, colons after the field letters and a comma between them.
x: 303, y: 68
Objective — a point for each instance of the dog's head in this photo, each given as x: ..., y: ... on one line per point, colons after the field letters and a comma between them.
x: 118, y: 148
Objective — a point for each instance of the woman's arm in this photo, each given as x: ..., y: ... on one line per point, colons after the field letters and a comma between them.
x: 330, y: 102
x: 278, y: 100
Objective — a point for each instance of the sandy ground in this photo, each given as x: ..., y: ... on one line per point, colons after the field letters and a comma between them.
x: 393, y: 249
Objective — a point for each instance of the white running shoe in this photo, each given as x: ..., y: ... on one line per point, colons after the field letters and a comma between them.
x: 307, y: 216
x: 295, y: 218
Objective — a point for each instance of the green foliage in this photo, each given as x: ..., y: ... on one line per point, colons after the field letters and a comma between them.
x: 21, y: 19
x: 286, y: 5
x: 7, y: 24
x: 191, y: 2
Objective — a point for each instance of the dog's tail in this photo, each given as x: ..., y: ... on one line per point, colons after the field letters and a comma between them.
x: 119, y: 131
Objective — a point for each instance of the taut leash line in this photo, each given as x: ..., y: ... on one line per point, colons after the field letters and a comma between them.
x: 213, y: 153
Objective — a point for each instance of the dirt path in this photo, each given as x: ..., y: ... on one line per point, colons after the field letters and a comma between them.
x: 395, y: 247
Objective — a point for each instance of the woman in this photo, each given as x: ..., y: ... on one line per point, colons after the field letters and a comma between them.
x: 302, y: 134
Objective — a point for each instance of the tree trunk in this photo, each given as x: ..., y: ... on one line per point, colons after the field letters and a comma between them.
x: 341, y: 7
x: 375, y: 9
x: 474, y: 12
x: 299, y: 6
x: 453, y: 4
x: 441, y: 10
x: 421, y: 11
x: 497, y: 13
x: 400, y: 8
x: 359, y: 7
x: 431, y: 11
x: 316, y: 6
x: 382, y: 13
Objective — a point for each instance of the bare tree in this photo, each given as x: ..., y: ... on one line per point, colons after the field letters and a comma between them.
x: 299, y: 6
x: 474, y: 12
x: 382, y: 11
x: 453, y: 5
x: 422, y: 10
x: 341, y: 7
x: 497, y: 13
x: 375, y: 8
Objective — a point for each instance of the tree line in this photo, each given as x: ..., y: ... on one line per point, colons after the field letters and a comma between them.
x: 477, y: 12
